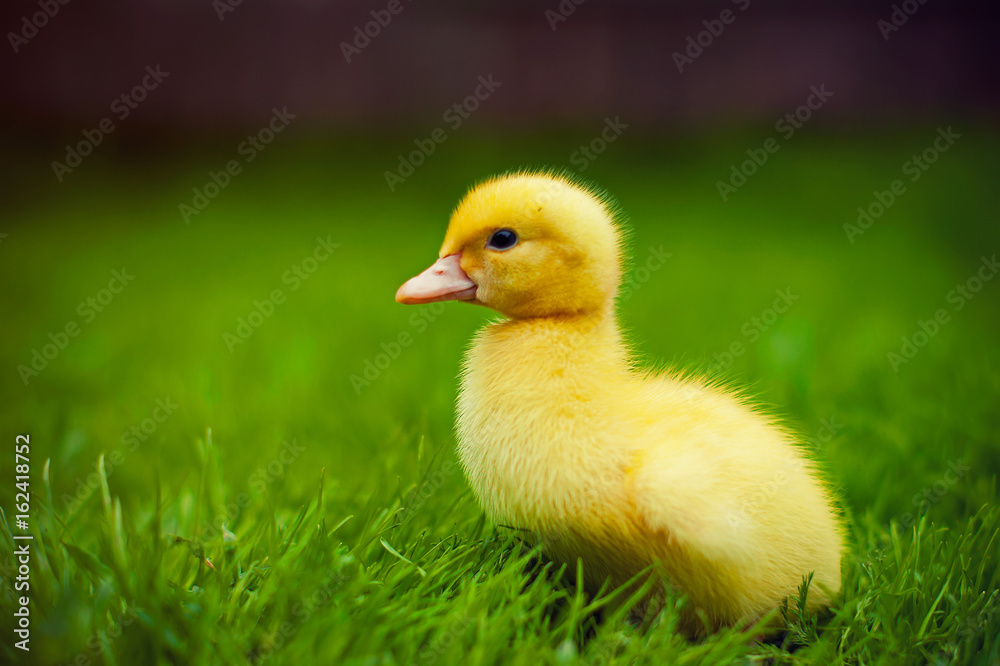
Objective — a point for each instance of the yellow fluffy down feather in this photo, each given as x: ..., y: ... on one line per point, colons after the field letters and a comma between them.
x: 560, y: 435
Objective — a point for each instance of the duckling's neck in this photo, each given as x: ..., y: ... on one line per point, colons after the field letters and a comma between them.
x: 536, y: 394
x: 581, y: 342
x: 532, y: 366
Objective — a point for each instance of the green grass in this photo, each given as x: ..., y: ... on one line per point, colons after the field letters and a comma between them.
x: 349, y: 533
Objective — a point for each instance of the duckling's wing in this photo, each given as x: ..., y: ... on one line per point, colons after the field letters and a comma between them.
x: 704, y: 460
x: 684, y: 496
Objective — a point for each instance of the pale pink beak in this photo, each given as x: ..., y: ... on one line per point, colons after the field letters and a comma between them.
x: 444, y: 281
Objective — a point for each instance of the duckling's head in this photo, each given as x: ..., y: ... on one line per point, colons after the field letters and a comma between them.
x: 527, y: 245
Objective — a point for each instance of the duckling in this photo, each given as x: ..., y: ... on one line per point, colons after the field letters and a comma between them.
x: 631, y: 472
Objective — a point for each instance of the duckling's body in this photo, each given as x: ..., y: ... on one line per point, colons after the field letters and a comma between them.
x: 559, y: 435
x: 624, y: 471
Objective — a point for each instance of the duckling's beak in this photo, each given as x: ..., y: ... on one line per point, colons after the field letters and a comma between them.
x: 444, y: 281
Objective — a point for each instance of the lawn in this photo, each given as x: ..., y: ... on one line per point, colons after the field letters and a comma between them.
x: 241, y: 448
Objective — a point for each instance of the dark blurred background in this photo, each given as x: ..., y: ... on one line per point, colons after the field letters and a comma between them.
x: 229, y: 64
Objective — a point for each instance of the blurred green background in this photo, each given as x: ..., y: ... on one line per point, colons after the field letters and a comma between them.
x: 826, y: 358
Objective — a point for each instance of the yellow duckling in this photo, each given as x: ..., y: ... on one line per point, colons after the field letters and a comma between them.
x: 561, y: 436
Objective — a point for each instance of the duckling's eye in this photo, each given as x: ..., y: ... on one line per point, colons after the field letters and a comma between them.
x: 502, y: 240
